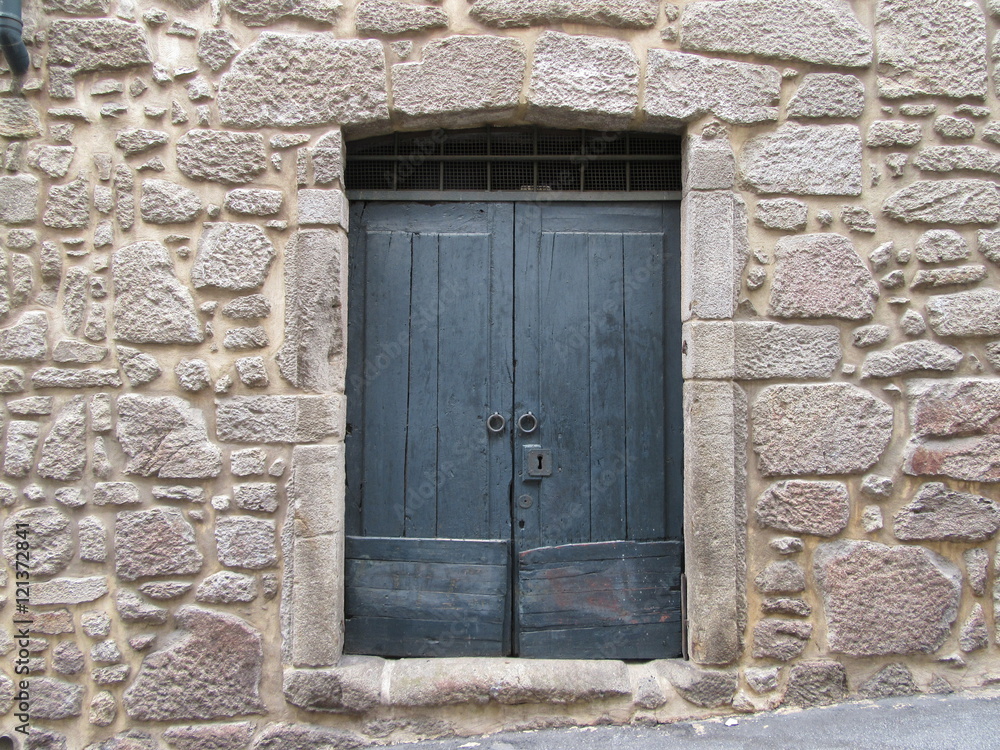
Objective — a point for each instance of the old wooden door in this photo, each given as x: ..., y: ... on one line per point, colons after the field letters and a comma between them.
x: 514, y: 467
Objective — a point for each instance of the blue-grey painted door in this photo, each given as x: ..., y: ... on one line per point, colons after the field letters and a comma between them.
x: 553, y: 535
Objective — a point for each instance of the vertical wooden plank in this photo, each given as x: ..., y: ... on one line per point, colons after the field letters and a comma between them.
x: 528, y: 251
x: 354, y: 443
x: 463, y: 386
x: 564, y: 409
x: 501, y: 368
x: 606, y: 388
x: 644, y: 386
x: 674, y: 381
x: 386, y: 357
x: 422, y: 412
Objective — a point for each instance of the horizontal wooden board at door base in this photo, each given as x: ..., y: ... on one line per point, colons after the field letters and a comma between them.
x: 427, y: 597
x: 601, y: 600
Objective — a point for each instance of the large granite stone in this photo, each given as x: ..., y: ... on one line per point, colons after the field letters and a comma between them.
x: 314, y: 277
x: 232, y: 736
x: 957, y: 158
x: 782, y: 577
x: 913, y: 356
x: 227, y: 587
x: 165, y: 202
x: 388, y: 18
x: 776, y: 350
x: 623, y: 14
x: 165, y: 436
x: 827, y: 95
x: 715, y: 235
x: 941, y: 514
x: 583, y: 81
x: 780, y: 639
x: 50, y: 541
x: 946, y: 408
x: 804, y: 160
x: 155, y: 542
x: 254, y: 202
x: 18, y: 198
x: 278, y: 419
x: 972, y: 313
x: 467, y: 78
x: 709, y: 688
x: 287, y: 736
x: 151, y: 305
x: 886, y: 600
x: 803, y: 507
x: 973, y: 459
x: 244, y: 542
x: 821, y: 276
x: 266, y: 12
x: 54, y: 699
x: 68, y: 206
x: 216, y: 47
x: 18, y: 119
x: 816, y: 683
x: 353, y: 686
x: 68, y: 590
x: 825, y: 32
x: 295, y: 80
x: 22, y: 440
x: 892, y: 679
x: 221, y: 156
x: 945, y: 201
x: 139, y: 367
x: 682, y: 87
x: 98, y: 44
x: 930, y: 49
x: 26, y: 339
x: 64, y: 450
x: 819, y: 429
x: 232, y: 256
x: 213, y: 672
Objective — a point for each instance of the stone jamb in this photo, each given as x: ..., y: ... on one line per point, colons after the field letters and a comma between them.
x: 714, y: 250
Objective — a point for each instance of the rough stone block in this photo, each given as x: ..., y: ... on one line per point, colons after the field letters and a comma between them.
x: 957, y: 158
x: 886, y: 600
x: 930, y: 49
x: 232, y: 256
x: 708, y: 688
x: 716, y: 236
x: 939, y: 513
x: 715, y: 505
x: 165, y: 436
x: 787, y: 214
x: 816, y: 683
x: 254, y: 202
x: 913, y: 356
x: 324, y: 207
x: 279, y: 419
x: 945, y: 201
x: 353, y: 686
x: 682, y: 87
x: 461, y: 79
x: 151, y: 305
x: 51, y: 540
x: 804, y: 160
x: 244, y: 542
x: 948, y: 408
x: 583, y: 81
x: 316, y: 508
x: 317, y: 631
x: 18, y: 198
x: 819, y: 276
x: 26, y: 339
x: 155, y: 542
x: 972, y: 313
x: 299, y: 80
x: 213, y: 671
x: 98, y: 44
x: 710, y: 164
x: 388, y: 18
x: 827, y: 95
x: 819, y: 429
x: 68, y: 590
x: 817, y: 31
x: 780, y: 639
x: 623, y: 14
x: 972, y: 459
x: 221, y: 156
x: 804, y: 507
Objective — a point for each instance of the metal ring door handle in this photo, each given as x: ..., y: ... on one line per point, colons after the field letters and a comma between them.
x: 496, y: 423
x: 527, y: 423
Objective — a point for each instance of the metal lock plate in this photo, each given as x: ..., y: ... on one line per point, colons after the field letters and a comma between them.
x: 537, y: 462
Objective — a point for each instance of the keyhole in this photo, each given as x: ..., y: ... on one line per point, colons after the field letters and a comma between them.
x: 539, y: 463
x: 520, y: 524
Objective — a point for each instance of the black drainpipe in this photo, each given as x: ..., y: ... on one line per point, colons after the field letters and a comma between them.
x: 10, y: 37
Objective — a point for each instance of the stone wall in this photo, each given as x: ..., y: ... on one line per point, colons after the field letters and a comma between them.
x: 172, y: 312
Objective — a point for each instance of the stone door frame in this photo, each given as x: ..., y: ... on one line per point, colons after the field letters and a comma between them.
x: 714, y: 250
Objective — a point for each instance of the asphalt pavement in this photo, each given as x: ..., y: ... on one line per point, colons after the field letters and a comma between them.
x: 968, y: 721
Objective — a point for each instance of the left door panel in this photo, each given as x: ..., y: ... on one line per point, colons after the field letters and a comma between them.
x: 430, y: 337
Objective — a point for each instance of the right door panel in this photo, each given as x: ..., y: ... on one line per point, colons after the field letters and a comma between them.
x: 596, y: 311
